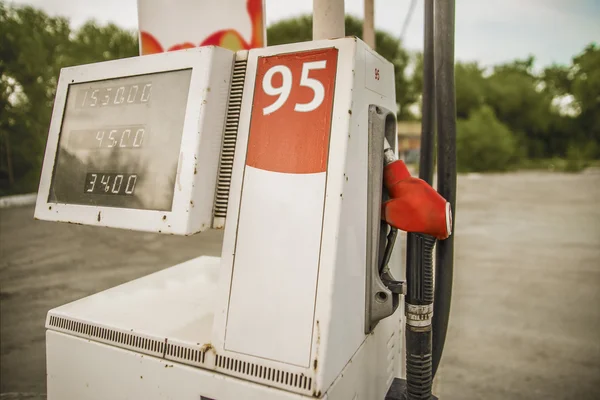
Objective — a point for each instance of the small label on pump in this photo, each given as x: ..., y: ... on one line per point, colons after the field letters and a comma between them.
x: 377, y: 74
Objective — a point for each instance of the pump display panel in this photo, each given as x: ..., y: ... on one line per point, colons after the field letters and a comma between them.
x: 132, y: 142
x: 119, y: 142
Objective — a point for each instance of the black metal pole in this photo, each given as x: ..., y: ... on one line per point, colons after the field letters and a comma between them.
x: 446, y: 129
x: 428, y: 100
x: 419, y: 255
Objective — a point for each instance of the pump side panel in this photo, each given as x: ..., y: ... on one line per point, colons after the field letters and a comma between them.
x: 86, y: 370
x: 278, y: 246
x: 341, y: 291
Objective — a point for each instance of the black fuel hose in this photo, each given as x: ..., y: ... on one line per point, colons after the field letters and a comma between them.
x: 419, y: 254
x: 444, y: 11
x: 419, y: 306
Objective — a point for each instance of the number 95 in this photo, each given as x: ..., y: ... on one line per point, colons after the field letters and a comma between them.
x: 285, y: 89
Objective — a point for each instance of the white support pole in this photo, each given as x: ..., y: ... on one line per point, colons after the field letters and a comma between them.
x: 328, y: 19
x: 369, y: 23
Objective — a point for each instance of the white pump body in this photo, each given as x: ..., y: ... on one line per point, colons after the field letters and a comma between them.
x: 287, y: 311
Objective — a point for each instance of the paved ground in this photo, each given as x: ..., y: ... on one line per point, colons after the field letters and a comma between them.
x: 525, y: 320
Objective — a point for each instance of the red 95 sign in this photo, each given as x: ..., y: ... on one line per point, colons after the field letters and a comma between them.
x: 291, y: 112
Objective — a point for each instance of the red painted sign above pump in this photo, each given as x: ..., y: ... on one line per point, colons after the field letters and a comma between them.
x: 291, y: 113
x: 233, y: 24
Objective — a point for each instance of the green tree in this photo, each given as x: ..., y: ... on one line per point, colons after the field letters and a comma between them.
x: 515, y: 95
x: 585, y: 81
x: 557, y: 80
x: 290, y: 31
x: 484, y: 144
x: 575, y: 123
x: 300, y: 29
x: 94, y: 43
x: 470, y: 86
x: 33, y: 49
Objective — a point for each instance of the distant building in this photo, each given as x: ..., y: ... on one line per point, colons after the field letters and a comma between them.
x: 409, y: 140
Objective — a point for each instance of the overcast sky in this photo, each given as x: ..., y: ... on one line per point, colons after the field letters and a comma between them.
x: 487, y: 31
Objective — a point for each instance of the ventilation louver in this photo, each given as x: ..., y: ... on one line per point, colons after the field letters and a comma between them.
x: 229, y: 138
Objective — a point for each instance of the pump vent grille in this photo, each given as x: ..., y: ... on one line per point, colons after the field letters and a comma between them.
x: 185, y: 353
x: 122, y: 339
x: 229, y: 138
x: 300, y: 381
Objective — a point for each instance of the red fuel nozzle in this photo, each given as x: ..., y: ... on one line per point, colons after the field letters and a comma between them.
x: 414, y: 205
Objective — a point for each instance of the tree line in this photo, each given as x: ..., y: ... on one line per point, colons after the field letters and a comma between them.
x: 506, y: 114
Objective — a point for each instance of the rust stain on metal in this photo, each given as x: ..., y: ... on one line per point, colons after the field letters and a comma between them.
x: 178, y: 174
x: 318, y: 334
x: 99, y: 216
x: 316, y: 361
x: 208, y: 347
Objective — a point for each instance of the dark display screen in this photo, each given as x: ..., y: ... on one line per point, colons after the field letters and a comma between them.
x: 120, y: 140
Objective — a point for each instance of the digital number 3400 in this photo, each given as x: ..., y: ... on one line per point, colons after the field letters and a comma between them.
x: 285, y: 89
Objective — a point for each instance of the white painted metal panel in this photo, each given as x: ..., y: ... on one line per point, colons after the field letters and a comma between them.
x: 341, y: 286
x: 272, y: 316
x: 372, y: 367
x: 278, y: 232
x: 169, y: 314
x: 378, y: 74
x: 177, y: 302
x: 85, y: 370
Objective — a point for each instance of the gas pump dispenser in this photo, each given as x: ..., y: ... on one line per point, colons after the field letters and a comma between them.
x: 292, y: 151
